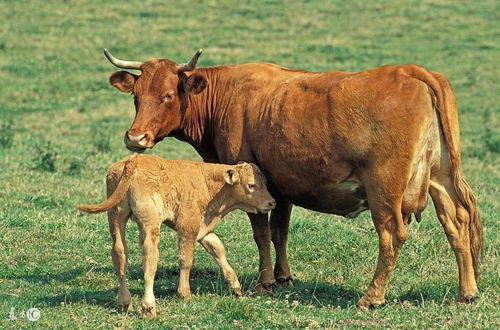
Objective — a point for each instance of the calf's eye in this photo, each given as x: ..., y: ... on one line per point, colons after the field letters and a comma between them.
x: 252, y: 185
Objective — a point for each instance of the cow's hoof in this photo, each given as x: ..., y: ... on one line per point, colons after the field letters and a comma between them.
x: 467, y: 299
x: 283, y: 282
x: 148, y: 312
x: 265, y: 287
x: 367, y: 303
x: 127, y: 308
x: 124, y: 300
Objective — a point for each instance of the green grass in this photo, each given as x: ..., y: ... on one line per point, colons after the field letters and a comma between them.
x: 55, y: 95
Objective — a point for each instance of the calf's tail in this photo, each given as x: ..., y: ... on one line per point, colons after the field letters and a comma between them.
x: 117, y: 195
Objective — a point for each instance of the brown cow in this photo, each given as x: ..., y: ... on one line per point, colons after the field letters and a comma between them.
x: 190, y: 197
x: 334, y: 142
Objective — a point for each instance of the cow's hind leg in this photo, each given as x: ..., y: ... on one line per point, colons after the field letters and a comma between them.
x: 385, y: 189
x: 392, y: 235
x: 280, y: 218
x: 455, y: 220
x: 215, y: 248
x: 117, y: 218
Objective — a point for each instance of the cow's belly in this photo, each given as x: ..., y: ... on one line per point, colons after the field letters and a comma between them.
x: 314, y: 184
x: 318, y: 181
x: 347, y: 198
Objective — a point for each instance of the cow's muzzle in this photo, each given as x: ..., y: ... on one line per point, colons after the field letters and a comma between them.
x: 138, y: 142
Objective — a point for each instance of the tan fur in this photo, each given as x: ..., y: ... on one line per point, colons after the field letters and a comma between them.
x: 118, y: 193
x: 191, y: 198
x: 336, y: 142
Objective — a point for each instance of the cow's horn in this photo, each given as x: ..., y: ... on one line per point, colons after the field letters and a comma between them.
x: 120, y: 63
x: 191, y: 65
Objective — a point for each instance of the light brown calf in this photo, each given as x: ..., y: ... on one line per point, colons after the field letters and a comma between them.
x: 189, y: 197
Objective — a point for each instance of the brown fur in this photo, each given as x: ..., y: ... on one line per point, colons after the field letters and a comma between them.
x: 465, y: 193
x: 335, y: 142
x: 191, y: 198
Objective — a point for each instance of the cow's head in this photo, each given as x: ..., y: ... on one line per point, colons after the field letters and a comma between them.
x: 160, y: 96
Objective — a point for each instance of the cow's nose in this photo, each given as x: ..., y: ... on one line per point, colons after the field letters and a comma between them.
x: 138, y: 139
x: 141, y: 141
x: 271, y: 203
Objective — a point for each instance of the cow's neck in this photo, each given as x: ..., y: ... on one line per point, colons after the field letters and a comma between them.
x: 203, y: 112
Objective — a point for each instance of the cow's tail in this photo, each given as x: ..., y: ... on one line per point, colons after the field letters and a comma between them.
x: 117, y: 195
x: 448, y: 115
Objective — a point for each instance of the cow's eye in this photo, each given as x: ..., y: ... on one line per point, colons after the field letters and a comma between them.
x: 252, y: 186
x: 169, y: 96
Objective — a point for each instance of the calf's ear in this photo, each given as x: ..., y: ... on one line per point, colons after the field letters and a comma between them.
x: 231, y: 176
x: 195, y: 83
x: 123, y: 81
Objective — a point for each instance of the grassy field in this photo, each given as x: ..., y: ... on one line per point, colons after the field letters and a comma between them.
x: 61, y: 127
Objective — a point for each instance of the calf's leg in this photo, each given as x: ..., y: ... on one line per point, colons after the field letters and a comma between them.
x: 149, y: 237
x: 186, y: 252
x: 117, y: 218
x: 215, y: 248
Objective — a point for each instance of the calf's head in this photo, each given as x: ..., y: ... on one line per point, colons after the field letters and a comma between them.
x: 160, y: 96
x: 248, y: 188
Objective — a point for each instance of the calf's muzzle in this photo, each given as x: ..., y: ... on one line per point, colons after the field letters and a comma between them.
x: 267, y: 206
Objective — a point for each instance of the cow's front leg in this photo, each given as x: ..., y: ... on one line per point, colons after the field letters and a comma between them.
x: 262, y: 236
x: 280, y: 218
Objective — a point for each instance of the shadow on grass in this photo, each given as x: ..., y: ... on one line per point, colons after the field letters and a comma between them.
x: 320, y: 294
x: 58, y: 277
x: 325, y: 294
x: 209, y: 281
x: 435, y: 294
x: 134, y: 272
x: 103, y: 298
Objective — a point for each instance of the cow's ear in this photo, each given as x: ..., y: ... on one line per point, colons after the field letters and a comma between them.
x: 195, y: 83
x: 123, y: 81
x: 231, y: 176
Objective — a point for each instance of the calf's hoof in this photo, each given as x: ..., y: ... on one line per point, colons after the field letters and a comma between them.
x: 184, y: 295
x: 265, y: 287
x: 237, y: 292
x: 283, y: 282
x: 148, y: 312
x: 366, y: 302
